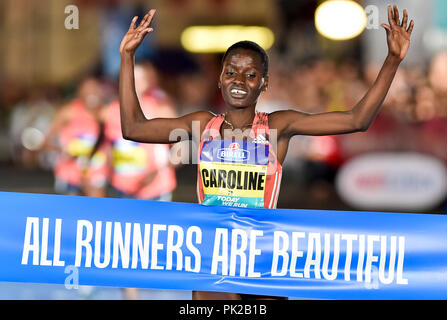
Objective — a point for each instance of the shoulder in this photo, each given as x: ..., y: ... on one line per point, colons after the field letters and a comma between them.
x: 195, y: 120
x: 191, y: 120
x: 199, y: 116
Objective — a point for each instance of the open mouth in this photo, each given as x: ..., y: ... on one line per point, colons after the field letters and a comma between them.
x: 238, y: 93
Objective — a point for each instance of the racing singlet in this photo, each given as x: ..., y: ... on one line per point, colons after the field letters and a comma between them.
x: 243, y: 174
x: 77, y: 140
x: 132, y: 161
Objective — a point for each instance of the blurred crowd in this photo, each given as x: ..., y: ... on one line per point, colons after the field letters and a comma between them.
x: 413, y: 118
x: 413, y: 113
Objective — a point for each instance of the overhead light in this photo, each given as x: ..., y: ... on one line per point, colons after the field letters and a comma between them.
x: 216, y: 39
x: 340, y: 19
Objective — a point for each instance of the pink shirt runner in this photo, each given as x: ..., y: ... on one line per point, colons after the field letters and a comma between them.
x: 76, y: 139
x: 133, y: 162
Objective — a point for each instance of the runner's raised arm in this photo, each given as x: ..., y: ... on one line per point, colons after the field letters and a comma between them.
x: 134, y: 124
x: 292, y: 122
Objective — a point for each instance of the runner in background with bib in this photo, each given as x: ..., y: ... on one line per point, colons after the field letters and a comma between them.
x: 241, y: 151
x: 140, y: 170
x: 73, y: 134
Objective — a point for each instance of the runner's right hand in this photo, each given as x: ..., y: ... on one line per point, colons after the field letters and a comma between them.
x: 135, y: 36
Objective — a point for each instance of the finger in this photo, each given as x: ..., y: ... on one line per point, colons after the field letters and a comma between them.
x: 146, y: 31
x: 386, y: 27
x: 396, y: 15
x: 147, y: 19
x: 142, y: 33
x: 405, y: 19
x: 410, y: 28
x: 390, y: 16
x: 132, y: 23
x: 143, y: 21
x: 150, y: 17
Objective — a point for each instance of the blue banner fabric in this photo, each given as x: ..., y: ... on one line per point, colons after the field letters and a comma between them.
x: 167, y: 245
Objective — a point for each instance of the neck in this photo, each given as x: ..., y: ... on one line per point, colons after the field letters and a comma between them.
x: 240, y: 117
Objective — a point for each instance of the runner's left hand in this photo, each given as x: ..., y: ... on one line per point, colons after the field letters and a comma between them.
x: 397, y: 33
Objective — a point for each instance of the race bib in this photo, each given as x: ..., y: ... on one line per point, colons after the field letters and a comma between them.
x: 82, y: 145
x: 234, y: 173
x: 129, y: 157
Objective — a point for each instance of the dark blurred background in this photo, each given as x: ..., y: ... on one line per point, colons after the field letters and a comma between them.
x: 397, y: 165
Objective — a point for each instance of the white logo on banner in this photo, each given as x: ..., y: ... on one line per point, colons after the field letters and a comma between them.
x: 395, y: 181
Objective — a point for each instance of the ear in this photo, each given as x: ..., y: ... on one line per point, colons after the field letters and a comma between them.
x: 219, y: 81
x: 264, y: 83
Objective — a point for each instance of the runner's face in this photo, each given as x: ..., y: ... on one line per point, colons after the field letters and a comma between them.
x: 241, y: 80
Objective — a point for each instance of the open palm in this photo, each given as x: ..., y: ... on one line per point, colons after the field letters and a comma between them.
x: 135, y: 35
x: 398, y: 35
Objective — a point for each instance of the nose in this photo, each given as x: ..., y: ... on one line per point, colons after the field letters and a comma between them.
x: 239, y: 79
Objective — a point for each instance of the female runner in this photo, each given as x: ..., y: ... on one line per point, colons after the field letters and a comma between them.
x: 226, y: 173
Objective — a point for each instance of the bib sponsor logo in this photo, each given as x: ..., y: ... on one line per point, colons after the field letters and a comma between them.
x: 260, y: 139
x: 234, y: 146
x: 233, y: 153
